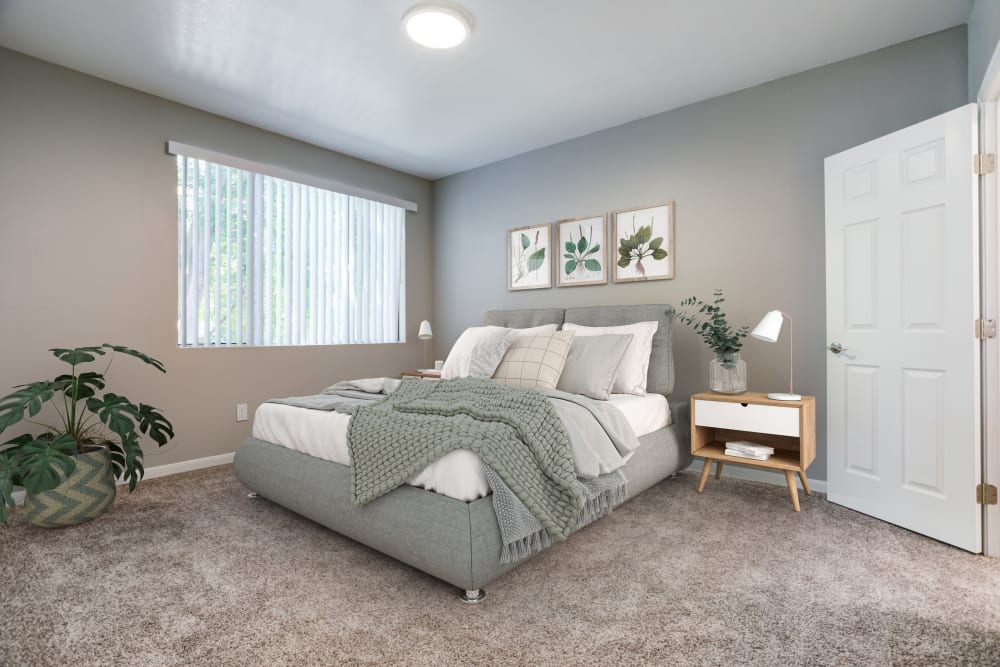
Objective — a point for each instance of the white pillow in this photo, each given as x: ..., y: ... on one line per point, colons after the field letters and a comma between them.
x: 477, y: 352
x: 630, y: 378
x: 541, y: 330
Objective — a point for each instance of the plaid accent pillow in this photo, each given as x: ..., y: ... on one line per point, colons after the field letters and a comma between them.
x: 534, y: 361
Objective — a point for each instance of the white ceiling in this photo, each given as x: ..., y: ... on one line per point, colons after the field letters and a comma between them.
x: 341, y: 73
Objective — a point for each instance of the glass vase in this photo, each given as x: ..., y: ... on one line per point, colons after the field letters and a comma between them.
x: 728, y: 374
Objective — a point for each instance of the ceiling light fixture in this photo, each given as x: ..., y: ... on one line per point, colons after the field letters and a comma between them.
x: 437, y: 26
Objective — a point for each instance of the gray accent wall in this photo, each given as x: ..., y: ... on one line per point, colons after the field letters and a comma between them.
x: 746, y: 173
x: 984, y: 33
x: 88, y: 251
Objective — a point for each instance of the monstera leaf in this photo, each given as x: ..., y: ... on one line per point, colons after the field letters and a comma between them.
x: 28, y: 397
x: 155, y: 424
x: 80, y: 387
x: 43, y: 463
x: 138, y: 355
x: 77, y: 355
x: 117, y: 412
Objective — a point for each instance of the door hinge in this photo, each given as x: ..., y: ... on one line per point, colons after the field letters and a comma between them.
x: 986, y: 329
x: 986, y: 494
x: 984, y: 163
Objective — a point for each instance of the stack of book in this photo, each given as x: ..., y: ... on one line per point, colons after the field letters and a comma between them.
x: 745, y: 449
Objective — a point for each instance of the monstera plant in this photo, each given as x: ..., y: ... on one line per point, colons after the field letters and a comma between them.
x: 68, y: 469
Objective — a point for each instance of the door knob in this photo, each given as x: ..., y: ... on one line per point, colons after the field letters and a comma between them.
x: 836, y: 347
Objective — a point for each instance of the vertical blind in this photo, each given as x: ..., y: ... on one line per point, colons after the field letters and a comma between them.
x: 268, y: 261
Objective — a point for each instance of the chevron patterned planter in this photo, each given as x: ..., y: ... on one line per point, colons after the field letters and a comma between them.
x: 84, y: 495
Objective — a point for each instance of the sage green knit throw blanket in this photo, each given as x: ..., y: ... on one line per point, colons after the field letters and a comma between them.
x: 515, y: 431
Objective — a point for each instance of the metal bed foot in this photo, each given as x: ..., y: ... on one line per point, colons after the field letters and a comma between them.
x: 252, y: 494
x: 673, y: 475
x: 474, y: 596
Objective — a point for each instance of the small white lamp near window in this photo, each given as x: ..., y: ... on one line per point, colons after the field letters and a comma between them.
x: 425, y: 335
x: 768, y: 331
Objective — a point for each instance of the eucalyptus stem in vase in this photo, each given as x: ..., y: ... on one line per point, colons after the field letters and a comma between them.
x: 727, y: 371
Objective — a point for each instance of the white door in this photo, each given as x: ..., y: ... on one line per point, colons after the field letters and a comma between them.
x: 902, y: 289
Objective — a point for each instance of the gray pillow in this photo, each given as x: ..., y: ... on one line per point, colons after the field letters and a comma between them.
x: 591, y: 364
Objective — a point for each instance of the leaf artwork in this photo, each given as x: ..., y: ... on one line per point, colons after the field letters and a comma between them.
x: 528, y: 260
x: 579, y: 254
x: 640, y: 246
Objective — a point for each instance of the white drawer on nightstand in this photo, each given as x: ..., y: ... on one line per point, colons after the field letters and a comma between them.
x: 747, y: 417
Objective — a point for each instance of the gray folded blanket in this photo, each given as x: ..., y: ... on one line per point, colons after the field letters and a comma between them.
x: 344, y: 397
x: 515, y: 431
x: 522, y: 535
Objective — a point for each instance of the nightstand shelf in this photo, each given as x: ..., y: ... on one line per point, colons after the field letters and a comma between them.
x: 787, y: 426
x: 781, y: 460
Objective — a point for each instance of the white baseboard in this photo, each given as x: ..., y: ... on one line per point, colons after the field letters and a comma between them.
x: 161, y: 471
x: 753, y: 474
x: 187, y: 466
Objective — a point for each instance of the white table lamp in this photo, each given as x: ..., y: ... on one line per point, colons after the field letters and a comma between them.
x: 768, y: 331
x: 425, y: 334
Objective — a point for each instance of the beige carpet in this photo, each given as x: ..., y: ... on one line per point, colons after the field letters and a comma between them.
x: 189, y: 571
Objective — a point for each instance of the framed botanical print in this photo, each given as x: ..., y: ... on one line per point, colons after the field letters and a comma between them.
x: 644, y: 242
x: 582, y: 245
x: 529, y: 258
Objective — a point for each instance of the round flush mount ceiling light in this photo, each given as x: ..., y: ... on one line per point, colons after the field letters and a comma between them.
x: 437, y: 26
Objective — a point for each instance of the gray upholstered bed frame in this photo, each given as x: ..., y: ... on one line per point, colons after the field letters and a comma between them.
x: 454, y: 540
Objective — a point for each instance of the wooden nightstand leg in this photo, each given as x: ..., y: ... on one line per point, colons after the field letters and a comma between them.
x: 718, y: 470
x: 805, y: 483
x: 792, y: 488
x: 707, y: 468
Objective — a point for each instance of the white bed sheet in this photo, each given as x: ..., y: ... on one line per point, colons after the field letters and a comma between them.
x: 456, y: 474
x: 645, y: 413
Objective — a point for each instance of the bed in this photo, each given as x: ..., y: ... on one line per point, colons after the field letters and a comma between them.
x: 455, y: 540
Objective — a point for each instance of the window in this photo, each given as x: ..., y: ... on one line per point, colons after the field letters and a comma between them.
x: 268, y: 261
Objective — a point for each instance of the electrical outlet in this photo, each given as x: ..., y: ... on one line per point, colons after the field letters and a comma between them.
x: 241, y: 412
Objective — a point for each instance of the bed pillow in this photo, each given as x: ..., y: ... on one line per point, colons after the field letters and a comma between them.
x: 477, y: 352
x: 535, y: 361
x: 592, y: 363
x: 634, y: 367
x: 541, y: 330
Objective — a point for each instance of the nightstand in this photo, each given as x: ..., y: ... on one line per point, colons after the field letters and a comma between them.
x: 787, y: 426
x: 420, y: 374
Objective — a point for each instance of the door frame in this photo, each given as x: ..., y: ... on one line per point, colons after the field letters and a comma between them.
x: 989, y: 193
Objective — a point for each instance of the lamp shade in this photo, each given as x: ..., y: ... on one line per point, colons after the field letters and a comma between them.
x: 770, y: 327
x: 425, y: 331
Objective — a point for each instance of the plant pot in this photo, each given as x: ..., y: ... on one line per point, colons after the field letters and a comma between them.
x: 84, y: 495
x: 728, y: 374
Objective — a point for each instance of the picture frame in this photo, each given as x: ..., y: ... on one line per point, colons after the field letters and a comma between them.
x: 582, y: 245
x: 529, y: 257
x: 644, y: 243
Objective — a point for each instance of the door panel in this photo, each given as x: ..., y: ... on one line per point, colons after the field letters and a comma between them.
x: 902, y: 297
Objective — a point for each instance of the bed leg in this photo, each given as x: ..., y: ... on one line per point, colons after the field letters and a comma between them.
x: 252, y: 494
x: 474, y: 596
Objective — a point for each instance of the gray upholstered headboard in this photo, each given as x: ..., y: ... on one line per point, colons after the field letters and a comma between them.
x: 660, y: 379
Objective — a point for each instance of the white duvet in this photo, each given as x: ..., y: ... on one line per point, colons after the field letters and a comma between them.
x: 457, y: 474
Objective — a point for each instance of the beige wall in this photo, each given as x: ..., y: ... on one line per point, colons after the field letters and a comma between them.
x: 746, y: 173
x: 88, y: 251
